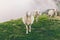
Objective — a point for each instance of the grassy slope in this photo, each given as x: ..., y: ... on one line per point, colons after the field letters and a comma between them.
x: 44, y: 29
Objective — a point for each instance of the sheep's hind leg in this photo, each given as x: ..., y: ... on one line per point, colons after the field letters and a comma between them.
x: 26, y: 29
x: 29, y: 28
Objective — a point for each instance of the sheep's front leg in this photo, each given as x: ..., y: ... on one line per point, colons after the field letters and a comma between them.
x: 29, y: 28
x: 37, y: 18
x: 26, y: 29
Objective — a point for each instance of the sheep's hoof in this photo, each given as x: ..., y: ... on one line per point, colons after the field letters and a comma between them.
x: 26, y: 32
x: 29, y: 30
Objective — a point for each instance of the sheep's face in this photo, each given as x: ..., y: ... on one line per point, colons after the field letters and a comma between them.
x: 37, y: 13
x: 28, y: 14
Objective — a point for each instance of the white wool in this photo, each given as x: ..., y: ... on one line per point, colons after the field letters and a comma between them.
x: 51, y: 12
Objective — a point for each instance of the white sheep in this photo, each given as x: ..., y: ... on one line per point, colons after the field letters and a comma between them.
x: 52, y: 12
x: 37, y: 14
x: 28, y: 21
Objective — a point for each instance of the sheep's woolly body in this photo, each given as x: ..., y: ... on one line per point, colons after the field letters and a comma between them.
x: 28, y: 20
x: 51, y: 12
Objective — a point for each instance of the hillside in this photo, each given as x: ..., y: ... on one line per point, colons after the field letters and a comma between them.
x: 44, y: 29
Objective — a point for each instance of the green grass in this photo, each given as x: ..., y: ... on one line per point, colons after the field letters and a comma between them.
x: 44, y: 29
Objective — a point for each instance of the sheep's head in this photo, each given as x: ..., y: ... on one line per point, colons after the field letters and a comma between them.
x: 28, y: 14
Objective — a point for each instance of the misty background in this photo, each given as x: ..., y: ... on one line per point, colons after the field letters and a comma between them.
x: 13, y: 9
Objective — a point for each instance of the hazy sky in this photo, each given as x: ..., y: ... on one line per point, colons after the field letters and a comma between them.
x: 12, y: 9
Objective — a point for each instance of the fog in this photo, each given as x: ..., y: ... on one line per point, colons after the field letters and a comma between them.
x: 13, y: 9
